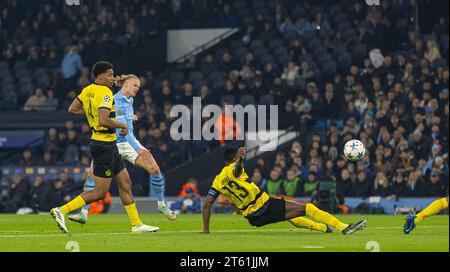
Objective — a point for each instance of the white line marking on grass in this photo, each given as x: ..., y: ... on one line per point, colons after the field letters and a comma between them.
x: 56, y: 234
x: 402, y: 227
x: 312, y: 247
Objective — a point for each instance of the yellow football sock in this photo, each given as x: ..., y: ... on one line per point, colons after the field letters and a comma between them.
x: 73, y: 205
x: 305, y: 223
x: 432, y: 209
x: 324, y: 217
x: 133, y: 214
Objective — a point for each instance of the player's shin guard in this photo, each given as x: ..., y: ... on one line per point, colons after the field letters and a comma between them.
x: 432, y: 209
x: 305, y: 223
x: 157, y: 187
x: 324, y: 217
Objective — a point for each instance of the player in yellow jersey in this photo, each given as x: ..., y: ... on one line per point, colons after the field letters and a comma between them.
x: 259, y: 208
x: 96, y: 102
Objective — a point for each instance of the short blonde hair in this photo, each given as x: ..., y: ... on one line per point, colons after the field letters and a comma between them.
x: 120, y: 80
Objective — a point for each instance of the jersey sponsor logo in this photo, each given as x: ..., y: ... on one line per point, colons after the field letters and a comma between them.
x: 107, y: 98
x: 120, y: 113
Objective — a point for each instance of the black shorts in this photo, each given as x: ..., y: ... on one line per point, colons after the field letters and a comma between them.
x: 107, y: 160
x: 274, y: 210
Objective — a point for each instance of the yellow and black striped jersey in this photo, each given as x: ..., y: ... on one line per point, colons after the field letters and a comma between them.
x: 245, y: 194
x: 94, y: 97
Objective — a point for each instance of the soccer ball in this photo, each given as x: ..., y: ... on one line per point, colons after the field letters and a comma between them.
x: 354, y: 150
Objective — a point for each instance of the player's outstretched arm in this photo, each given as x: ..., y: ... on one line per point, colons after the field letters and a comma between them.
x: 240, y: 162
x: 76, y: 108
x: 209, y: 200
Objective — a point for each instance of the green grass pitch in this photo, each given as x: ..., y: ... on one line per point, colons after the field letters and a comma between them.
x: 229, y: 233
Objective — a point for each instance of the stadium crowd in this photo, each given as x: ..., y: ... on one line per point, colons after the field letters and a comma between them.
x: 336, y: 73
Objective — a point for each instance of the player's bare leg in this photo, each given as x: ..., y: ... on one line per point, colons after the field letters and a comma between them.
x: 124, y: 182
x: 295, y: 210
x: 148, y: 163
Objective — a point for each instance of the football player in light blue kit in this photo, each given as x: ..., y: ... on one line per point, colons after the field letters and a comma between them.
x: 130, y: 149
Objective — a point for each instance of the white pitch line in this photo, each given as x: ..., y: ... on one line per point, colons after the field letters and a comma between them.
x: 309, y: 247
x: 56, y: 234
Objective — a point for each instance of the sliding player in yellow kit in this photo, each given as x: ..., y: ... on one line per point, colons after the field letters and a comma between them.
x: 259, y: 208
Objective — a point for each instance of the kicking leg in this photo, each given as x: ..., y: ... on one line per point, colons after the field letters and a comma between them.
x: 157, y: 182
x: 432, y: 209
x: 126, y: 196
x: 295, y: 209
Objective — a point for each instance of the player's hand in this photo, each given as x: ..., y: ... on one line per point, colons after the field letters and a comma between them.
x: 124, y: 130
x: 242, y: 151
x: 135, y: 118
x: 145, y: 153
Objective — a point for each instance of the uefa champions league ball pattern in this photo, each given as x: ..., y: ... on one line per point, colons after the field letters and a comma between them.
x: 354, y: 150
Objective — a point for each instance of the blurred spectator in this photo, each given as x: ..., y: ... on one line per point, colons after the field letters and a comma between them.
x: 291, y: 185
x: 27, y: 158
x: 189, y: 187
x: 36, y: 101
x: 53, y: 196
x: 17, y: 195
x: 189, y: 198
x: 52, y: 103
x: 432, y: 52
x: 291, y: 73
x: 258, y: 179
x: 320, y: 23
x: 436, y: 185
x: 381, y: 186
x: 399, y: 184
x: 71, y: 66
x: 415, y: 186
x: 274, y: 181
x: 226, y: 18
x: 37, y: 194
x: 344, y: 184
x: 310, y: 185
x: 362, y: 187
